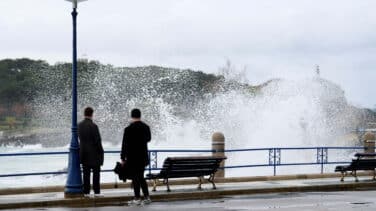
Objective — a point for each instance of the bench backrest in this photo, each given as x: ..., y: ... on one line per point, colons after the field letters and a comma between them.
x: 363, y: 164
x: 190, y: 166
x: 363, y: 154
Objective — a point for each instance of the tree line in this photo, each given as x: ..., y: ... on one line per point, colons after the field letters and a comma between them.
x: 23, y: 80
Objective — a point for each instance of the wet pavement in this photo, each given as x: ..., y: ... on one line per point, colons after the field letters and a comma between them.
x: 349, y: 200
x: 255, y: 191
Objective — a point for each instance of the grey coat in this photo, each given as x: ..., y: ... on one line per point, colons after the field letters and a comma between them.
x: 91, y: 150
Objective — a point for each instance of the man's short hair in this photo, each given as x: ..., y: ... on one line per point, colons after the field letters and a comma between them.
x: 88, y: 111
x: 136, y: 113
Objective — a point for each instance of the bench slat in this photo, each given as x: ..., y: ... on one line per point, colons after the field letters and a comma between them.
x: 363, y: 154
x: 358, y: 164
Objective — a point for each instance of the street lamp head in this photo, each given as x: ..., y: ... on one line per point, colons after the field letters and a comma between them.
x: 75, y: 2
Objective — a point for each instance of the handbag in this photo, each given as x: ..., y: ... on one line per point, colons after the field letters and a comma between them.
x: 121, y: 171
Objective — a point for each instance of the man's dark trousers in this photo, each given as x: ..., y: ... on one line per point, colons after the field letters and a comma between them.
x: 96, y: 177
x: 139, y: 182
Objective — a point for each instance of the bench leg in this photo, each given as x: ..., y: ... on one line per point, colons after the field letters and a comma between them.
x: 167, y: 185
x: 211, y: 179
x: 356, y: 177
x: 342, y: 176
x: 199, y: 183
x: 155, y: 184
x: 374, y: 175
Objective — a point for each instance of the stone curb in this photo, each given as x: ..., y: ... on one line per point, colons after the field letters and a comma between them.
x: 195, y: 195
x: 13, y: 191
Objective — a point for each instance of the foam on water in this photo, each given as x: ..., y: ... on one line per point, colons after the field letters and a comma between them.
x: 24, y: 148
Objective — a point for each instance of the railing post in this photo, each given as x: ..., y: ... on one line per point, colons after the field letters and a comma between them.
x: 149, y: 154
x: 275, y: 161
x: 319, y: 158
x: 322, y: 160
x: 274, y: 158
x: 322, y: 157
x: 153, y: 160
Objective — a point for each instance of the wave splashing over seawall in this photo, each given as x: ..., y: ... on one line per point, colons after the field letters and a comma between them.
x: 185, y: 107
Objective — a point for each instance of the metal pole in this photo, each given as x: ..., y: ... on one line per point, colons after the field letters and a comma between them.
x: 149, y: 154
x: 73, y: 186
x: 322, y: 160
x: 275, y: 161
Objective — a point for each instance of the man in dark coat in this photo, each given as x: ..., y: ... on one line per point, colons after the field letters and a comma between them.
x: 91, y: 151
x: 134, y: 152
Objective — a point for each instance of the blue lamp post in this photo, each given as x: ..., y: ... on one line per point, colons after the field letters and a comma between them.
x: 73, y: 187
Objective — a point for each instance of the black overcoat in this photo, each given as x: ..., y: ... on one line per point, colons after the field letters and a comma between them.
x: 91, y: 149
x: 135, y: 145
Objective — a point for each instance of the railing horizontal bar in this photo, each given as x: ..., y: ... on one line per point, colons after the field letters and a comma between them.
x: 146, y: 169
x: 242, y: 150
x: 32, y: 174
x: 173, y: 150
x: 344, y: 147
x: 181, y: 150
x: 299, y: 148
x: 112, y: 151
x: 339, y: 162
x: 247, y: 166
x: 297, y: 164
x: 291, y: 148
x: 32, y: 154
x: 55, y: 172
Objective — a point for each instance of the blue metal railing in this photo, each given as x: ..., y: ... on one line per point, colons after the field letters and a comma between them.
x: 274, y: 158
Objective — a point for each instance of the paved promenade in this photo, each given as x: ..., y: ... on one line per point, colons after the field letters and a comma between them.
x: 308, y: 201
x: 118, y: 197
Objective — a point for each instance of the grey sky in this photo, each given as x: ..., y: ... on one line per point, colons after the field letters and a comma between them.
x: 277, y: 38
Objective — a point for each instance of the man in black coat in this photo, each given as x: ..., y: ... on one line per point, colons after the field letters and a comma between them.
x: 134, y: 152
x: 91, y: 151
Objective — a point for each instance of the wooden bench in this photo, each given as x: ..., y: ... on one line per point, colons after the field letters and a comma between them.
x: 363, y: 161
x: 179, y: 167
